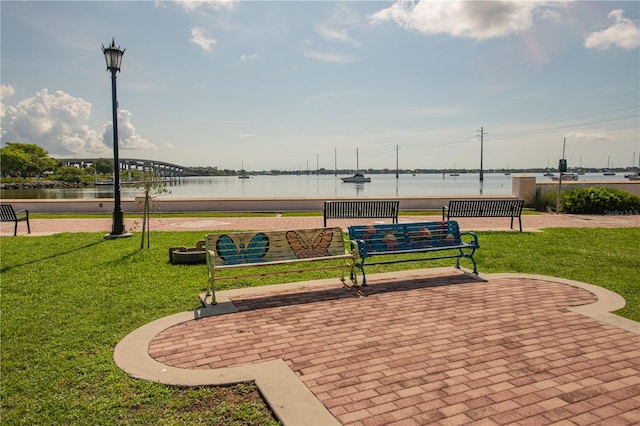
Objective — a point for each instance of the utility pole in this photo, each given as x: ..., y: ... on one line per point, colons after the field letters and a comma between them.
x: 482, y: 133
x: 317, y: 164
x: 397, y: 150
x: 335, y: 161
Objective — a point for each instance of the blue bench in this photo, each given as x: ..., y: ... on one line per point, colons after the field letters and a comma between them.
x: 413, y: 242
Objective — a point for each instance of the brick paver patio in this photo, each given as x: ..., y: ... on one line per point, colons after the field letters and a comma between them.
x: 445, y: 349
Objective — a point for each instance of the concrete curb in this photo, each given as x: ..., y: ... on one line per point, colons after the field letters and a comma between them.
x: 289, y: 398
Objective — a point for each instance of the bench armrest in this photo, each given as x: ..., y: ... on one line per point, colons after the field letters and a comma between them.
x: 473, y: 236
x: 361, y: 248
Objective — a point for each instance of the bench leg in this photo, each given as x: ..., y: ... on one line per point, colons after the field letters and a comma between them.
x: 364, y: 276
x: 15, y: 229
x: 468, y: 256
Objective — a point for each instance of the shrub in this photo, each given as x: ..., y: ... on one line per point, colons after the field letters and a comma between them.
x: 544, y: 201
x: 599, y: 201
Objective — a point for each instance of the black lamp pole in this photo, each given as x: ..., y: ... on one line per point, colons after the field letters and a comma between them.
x: 113, y: 56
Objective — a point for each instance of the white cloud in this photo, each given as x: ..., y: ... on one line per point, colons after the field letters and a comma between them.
x: 245, y: 57
x: 624, y: 33
x: 58, y: 123
x: 587, y: 136
x: 338, y: 26
x: 214, y: 5
x: 471, y: 19
x: 201, y: 39
x: 127, y: 135
x: 335, y: 58
x: 6, y: 91
x: 340, y: 35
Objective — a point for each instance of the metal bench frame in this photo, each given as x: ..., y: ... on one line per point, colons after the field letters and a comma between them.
x: 270, y: 248
x: 417, y: 241
x: 361, y: 209
x: 7, y: 214
x: 484, y: 208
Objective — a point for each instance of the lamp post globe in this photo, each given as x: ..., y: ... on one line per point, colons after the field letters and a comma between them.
x: 113, y: 56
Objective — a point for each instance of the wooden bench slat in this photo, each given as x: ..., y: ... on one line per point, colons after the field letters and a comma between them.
x: 271, y: 248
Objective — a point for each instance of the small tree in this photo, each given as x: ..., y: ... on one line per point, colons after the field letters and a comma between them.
x: 153, y: 185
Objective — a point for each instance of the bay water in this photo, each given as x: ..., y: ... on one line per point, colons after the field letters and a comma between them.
x: 328, y: 186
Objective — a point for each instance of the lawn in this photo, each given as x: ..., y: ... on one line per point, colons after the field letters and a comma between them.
x: 68, y: 299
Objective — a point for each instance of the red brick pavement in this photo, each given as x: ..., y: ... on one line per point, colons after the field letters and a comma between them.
x: 434, y: 350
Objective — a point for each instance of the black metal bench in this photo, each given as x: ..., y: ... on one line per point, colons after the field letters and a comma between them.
x: 414, y: 241
x: 484, y: 208
x: 7, y: 214
x: 361, y: 209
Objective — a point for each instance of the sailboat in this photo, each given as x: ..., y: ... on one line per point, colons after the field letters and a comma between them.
x: 608, y: 172
x: 243, y: 173
x: 358, y: 177
x: 454, y: 173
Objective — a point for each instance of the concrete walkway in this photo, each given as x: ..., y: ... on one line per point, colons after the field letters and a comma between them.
x: 529, y: 223
x: 432, y: 346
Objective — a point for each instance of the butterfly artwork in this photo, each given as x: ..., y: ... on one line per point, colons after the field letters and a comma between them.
x: 306, y: 246
x: 244, y: 252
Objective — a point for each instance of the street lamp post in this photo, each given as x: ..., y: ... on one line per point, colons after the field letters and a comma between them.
x: 113, y: 56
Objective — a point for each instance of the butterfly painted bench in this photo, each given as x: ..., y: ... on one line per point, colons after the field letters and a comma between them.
x: 484, y: 208
x: 411, y: 242
x: 270, y: 248
x: 361, y: 209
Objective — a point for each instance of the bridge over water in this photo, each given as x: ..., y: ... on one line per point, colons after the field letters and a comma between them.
x: 159, y: 168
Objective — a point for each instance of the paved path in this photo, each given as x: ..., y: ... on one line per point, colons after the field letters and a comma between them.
x: 433, y: 346
x: 529, y: 223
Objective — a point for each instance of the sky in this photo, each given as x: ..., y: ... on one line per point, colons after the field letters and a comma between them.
x: 300, y: 85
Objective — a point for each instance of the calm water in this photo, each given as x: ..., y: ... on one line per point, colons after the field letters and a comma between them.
x: 309, y: 186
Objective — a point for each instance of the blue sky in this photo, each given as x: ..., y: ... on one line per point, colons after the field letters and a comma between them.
x: 294, y: 84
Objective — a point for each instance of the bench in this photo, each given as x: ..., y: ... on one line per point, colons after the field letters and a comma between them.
x: 7, y: 214
x: 413, y: 242
x: 271, y: 248
x: 361, y: 209
x: 484, y: 208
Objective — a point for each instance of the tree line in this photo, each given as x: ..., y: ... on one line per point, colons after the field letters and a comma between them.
x: 23, y: 160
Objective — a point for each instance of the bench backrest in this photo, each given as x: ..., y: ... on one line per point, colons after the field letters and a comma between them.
x: 7, y: 213
x: 361, y: 209
x: 485, y: 208
x: 407, y: 236
x: 272, y: 246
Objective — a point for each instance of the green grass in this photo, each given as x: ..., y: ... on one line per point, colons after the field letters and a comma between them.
x: 68, y: 299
